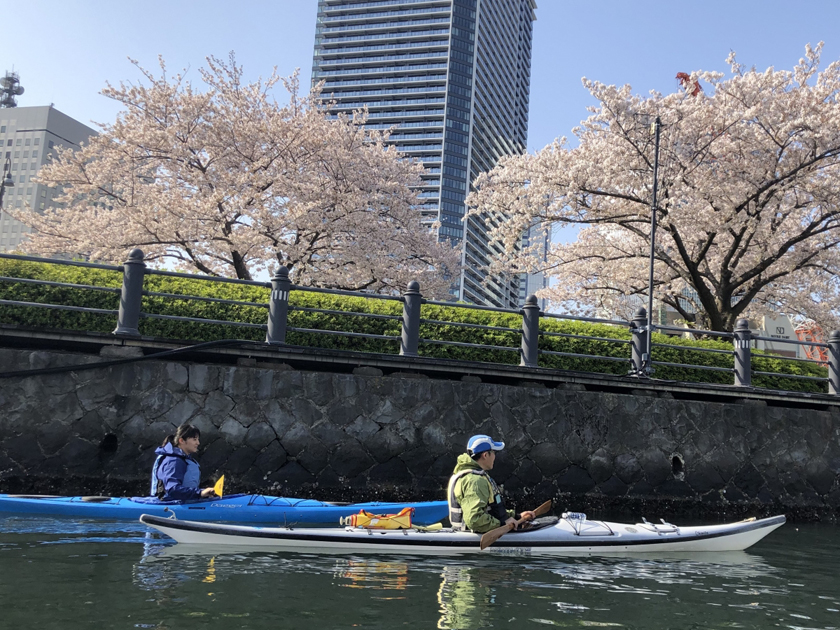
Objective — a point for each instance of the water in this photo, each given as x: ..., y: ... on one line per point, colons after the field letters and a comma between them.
x: 73, y: 574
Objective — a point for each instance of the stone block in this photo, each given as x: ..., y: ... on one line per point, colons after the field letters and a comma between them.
x: 293, y: 476
x: 296, y: 439
x: 350, y: 460
x: 362, y: 428
x: 217, y: 406
x: 271, y: 459
x: 95, y: 393
x: 343, y: 412
x: 384, y: 445
x: 287, y: 384
x: 627, y: 468
x: 247, y: 411
x: 315, y: 457
x: 259, y: 435
x: 279, y: 416
x: 599, y: 465
x: 548, y: 457
x: 613, y: 487
x: 240, y: 461
x: 575, y: 479
x: 203, y: 379
x: 177, y: 377
x: 233, y: 432
x: 183, y: 411
x: 318, y: 388
x: 214, y: 457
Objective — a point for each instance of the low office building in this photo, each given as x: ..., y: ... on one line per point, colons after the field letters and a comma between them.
x: 29, y: 137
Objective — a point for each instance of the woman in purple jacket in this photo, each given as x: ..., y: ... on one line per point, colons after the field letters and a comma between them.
x: 176, y: 474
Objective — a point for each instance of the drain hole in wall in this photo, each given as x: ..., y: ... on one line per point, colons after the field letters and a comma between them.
x: 109, y: 443
x: 677, y: 466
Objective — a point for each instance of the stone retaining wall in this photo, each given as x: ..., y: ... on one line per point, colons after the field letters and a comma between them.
x: 366, y: 436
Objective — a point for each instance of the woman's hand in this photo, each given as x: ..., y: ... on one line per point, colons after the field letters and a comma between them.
x: 208, y: 492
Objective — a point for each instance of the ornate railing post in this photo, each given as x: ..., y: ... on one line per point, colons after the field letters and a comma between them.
x: 743, y: 368
x: 131, y: 298
x: 278, y: 307
x: 638, y: 342
x: 834, y: 363
x: 530, y: 333
x: 410, y: 338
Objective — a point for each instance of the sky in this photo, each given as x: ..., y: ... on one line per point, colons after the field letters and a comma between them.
x: 66, y: 50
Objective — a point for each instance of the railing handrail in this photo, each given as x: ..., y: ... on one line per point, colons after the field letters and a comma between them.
x: 279, y: 305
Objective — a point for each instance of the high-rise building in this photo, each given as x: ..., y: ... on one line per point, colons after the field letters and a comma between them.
x: 29, y: 136
x: 453, y: 77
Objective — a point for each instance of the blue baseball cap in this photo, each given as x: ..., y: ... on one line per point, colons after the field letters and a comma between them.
x: 480, y: 443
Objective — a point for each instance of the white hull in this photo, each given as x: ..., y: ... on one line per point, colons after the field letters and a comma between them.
x: 566, y: 537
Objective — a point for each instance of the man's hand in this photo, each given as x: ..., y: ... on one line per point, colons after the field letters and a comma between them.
x: 208, y: 492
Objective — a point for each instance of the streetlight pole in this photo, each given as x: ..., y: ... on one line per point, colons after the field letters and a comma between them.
x: 648, y: 358
x: 6, y: 182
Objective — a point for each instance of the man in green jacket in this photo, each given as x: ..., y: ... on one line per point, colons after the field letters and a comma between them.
x: 475, y: 502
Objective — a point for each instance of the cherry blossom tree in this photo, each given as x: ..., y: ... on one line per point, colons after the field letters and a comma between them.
x: 222, y: 179
x: 748, y: 203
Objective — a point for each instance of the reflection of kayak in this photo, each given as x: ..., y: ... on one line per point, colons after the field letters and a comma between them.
x: 236, y: 508
x: 569, y: 535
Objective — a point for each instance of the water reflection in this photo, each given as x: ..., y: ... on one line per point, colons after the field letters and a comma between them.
x: 467, y: 595
x: 788, y: 581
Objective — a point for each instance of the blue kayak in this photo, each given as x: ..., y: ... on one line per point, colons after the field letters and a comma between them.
x: 234, y: 508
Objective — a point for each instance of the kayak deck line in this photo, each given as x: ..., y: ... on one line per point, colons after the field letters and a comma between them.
x: 557, y: 537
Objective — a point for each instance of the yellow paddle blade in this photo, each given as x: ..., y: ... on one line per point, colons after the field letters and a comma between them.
x: 219, y: 488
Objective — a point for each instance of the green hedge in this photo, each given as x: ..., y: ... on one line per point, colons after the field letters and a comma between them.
x: 685, y: 351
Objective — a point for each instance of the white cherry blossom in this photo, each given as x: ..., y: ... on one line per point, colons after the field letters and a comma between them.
x: 748, y: 203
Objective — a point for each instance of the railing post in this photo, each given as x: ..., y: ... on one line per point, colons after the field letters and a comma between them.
x: 410, y: 338
x: 278, y: 307
x: 131, y: 297
x: 743, y: 368
x: 834, y: 363
x: 638, y: 342
x: 530, y: 333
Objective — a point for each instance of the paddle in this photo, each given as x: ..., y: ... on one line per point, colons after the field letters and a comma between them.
x: 220, y: 486
x: 494, y: 534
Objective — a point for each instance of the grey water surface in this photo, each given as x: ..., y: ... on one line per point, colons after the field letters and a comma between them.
x: 66, y: 574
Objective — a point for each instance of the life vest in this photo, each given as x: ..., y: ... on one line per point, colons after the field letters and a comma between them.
x: 365, y: 519
x: 496, y: 507
x: 192, y: 476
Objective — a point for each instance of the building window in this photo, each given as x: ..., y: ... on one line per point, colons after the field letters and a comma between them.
x: 26, y: 142
x: 51, y: 144
x: 17, y: 154
x: 9, y: 142
x: 26, y: 154
x: 34, y: 154
x: 17, y: 142
x: 37, y: 141
x: 43, y: 193
x: 2, y: 128
x: 42, y: 205
x: 22, y: 179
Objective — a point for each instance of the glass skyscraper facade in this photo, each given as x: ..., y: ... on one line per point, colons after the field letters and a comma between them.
x: 453, y: 77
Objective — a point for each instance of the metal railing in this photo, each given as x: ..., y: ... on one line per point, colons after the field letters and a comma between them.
x: 530, y: 333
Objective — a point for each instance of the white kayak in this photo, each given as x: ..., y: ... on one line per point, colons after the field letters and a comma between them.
x: 570, y: 535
